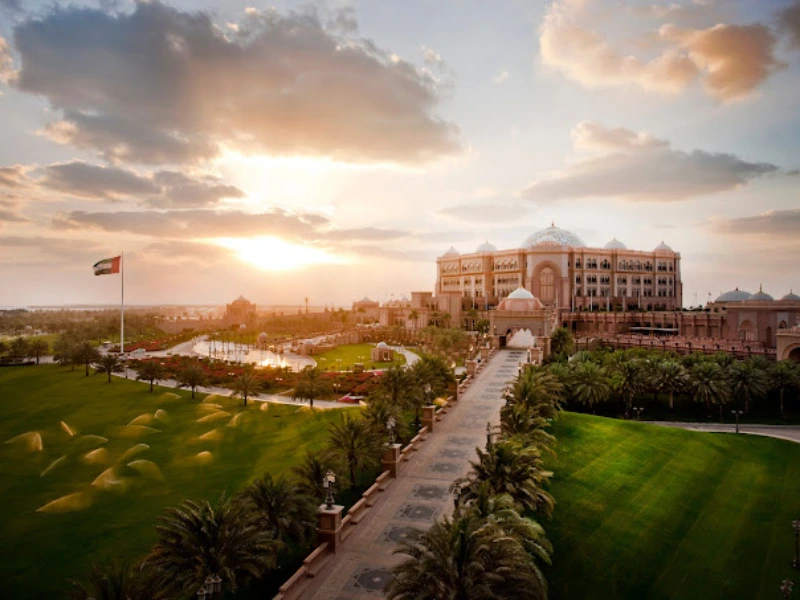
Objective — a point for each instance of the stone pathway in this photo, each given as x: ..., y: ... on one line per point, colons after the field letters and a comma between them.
x: 362, y: 565
x: 783, y: 432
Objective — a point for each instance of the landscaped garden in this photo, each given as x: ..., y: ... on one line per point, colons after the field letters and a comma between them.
x: 88, y: 466
x: 343, y: 358
x: 650, y: 512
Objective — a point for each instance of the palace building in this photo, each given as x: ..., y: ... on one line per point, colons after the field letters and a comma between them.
x: 561, y: 271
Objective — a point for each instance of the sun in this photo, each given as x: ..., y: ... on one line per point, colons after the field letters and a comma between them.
x: 274, y: 254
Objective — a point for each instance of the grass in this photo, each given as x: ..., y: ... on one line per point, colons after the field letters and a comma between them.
x: 50, y: 547
x: 649, y: 512
x: 351, y: 354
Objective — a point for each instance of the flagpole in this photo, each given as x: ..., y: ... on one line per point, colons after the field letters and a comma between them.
x: 122, y: 304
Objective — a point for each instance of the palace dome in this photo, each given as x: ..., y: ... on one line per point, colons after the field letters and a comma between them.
x: 382, y: 345
x: 736, y: 295
x: 615, y: 244
x: 791, y: 296
x: 486, y: 247
x: 554, y: 234
x: 663, y: 246
x: 451, y: 252
x: 761, y: 295
x: 520, y: 300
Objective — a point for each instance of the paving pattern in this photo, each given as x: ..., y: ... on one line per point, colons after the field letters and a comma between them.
x: 361, y: 567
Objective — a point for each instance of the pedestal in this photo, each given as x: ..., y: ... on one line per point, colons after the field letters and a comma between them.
x: 390, y: 459
x: 484, y: 354
x: 471, y: 366
x: 428, y: 416
x: 329, y: 525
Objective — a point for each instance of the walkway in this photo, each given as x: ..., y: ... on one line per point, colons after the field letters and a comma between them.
x: 362, y: 565
x: 783, y: 432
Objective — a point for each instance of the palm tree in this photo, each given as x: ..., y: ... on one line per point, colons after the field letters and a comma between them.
x: 395, y: 387
x: 199, y: 539
x: 465, y: 559
x: 671, y: 377
x: 116, y: 581
x: 355, y: 443
x: 86, y: 354
x: 192, y: 377
x: 108, y: 364
x: 628, y: 381
x: 311, y: 471
x: 38, y: 348
x: 247, y: 384
x: 540, y: 390
x: 747, y: 382
x: 413, y: 316
x: 590, y: 385
x: 522, y: 422
x: 151, y: 371
x: 510, y: 468
x: 311, y: 385
x: 784, y: 375
x: 562, y: 342
x: 287, y: 512
x: 707, y: 384
x: 378, y: 412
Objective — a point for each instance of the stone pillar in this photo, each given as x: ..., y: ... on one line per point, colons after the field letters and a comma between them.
x: 484, y: 354
x: 390, y: 459
x: 471, y: 365
x: 329, y: 525
x: 428, y: 416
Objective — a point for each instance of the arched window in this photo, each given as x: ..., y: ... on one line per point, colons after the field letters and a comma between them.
x: 747, y: 331
x: 547, y: 285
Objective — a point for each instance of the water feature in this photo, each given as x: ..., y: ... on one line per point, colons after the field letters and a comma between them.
x: 245, y: 354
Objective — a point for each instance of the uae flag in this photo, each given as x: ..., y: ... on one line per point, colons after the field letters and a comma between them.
x: 107, y: 266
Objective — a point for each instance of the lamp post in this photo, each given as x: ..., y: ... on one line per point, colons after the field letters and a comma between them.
x: 390, y: 423
x: 328, y: 482
x: 737, y: 413
x: 427, y: 389
x: 796, y: 561
x: 488, y: 434
x: 638, y: 410
x: 456, y: 497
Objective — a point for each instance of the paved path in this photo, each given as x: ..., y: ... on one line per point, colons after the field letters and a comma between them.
x: 784, y: 432
x: 361, y: 566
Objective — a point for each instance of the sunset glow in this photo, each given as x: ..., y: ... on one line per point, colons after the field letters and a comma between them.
x: 273, y: 254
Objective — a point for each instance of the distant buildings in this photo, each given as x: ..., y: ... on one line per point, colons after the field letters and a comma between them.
x: 240, y: 312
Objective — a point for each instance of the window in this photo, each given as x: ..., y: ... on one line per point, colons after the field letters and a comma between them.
x: 547, y: 287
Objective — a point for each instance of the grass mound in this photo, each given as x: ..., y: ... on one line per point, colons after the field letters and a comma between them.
x: 649, y: 512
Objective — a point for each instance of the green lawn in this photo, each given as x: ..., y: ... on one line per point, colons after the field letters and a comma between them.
x: 352, y: 354
x: 649, y: 512
x: 115, y: 516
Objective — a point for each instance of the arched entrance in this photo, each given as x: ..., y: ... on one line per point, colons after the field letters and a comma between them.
x: 794, y: 354
x: 547, y: 286
x: 520, y: 338
x: 747, y: 331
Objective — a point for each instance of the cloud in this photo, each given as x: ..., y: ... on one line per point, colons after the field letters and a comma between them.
x: 7, y: 71
x: 180, y: 191
x: 639, y: 167
x: 57, y: 251
x: 92, y: 181
x: 179, y: 251
x: 9, y: 215
x: 13, y: 176
x: 432, y: 58
x: 484, y: 213
x: 159, y: 85
x: 12, y: 5
x: 789, y: 22
x: 501, y: 77
x: 777, y: 225
x: 730, y: 60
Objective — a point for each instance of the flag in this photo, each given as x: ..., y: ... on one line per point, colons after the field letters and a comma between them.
x: 107, y: 266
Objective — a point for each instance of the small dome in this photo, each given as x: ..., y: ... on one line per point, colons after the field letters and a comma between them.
x: 615, y: 244
x: 262, y: 337
x: 521, y: 293
x: 736, y: 295
x: 561, y: 236
x: 242, y: 326
x: 761, y: 295
x: 365, y: 299
x: 486, y: 247
x: 382, y: 345
x: 663, y: 246
x: 451, y: 252
x: 791, y: 296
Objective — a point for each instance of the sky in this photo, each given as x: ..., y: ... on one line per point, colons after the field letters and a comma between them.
x: 333, y: 149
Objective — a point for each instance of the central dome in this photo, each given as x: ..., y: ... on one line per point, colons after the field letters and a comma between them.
x: 520, y: 293
x: 562, y: 236
x: 520, y: 300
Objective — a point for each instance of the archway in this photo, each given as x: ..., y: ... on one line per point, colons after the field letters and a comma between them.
x: 547, y: 285
x: 794, y: 354
x: 747, y: 331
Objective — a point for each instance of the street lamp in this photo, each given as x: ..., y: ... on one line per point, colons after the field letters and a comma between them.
x: 796, y: 561
x: 737, y: 413
x: 488, y: 433
x: 427, y: 389
x: 390, y: 423
x: 456, y: 496
x: 638, y: 410
x: 328, y: 481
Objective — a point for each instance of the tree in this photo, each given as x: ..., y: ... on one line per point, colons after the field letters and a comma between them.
x: 117, y: 580
x: 522, y: 422
x: 311, y: 385
x: 192, y: 377
x: 465, y: 559
x: 3, y: 347
x: 311, y: 471
x: 707, y: 385
x: 539, y: 389
x: 19, y: 348
x: 151, y: 371
x: 38, y: 348
x: 562, y: 341
x: 198, y: 539
x: 747, y: 382
x: 590, y: 385
x: 628, y: 381
x: 510, y: 468
x: 86, y: 354
x: 246, y: 385
x: 355, y: 443
x: 378, y: 412
x: 285, y: 510
x: 108, y: 364
x: 670, y: 377
x: 784, y: 376
x: 395, y: 386
x: 64, y: 351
